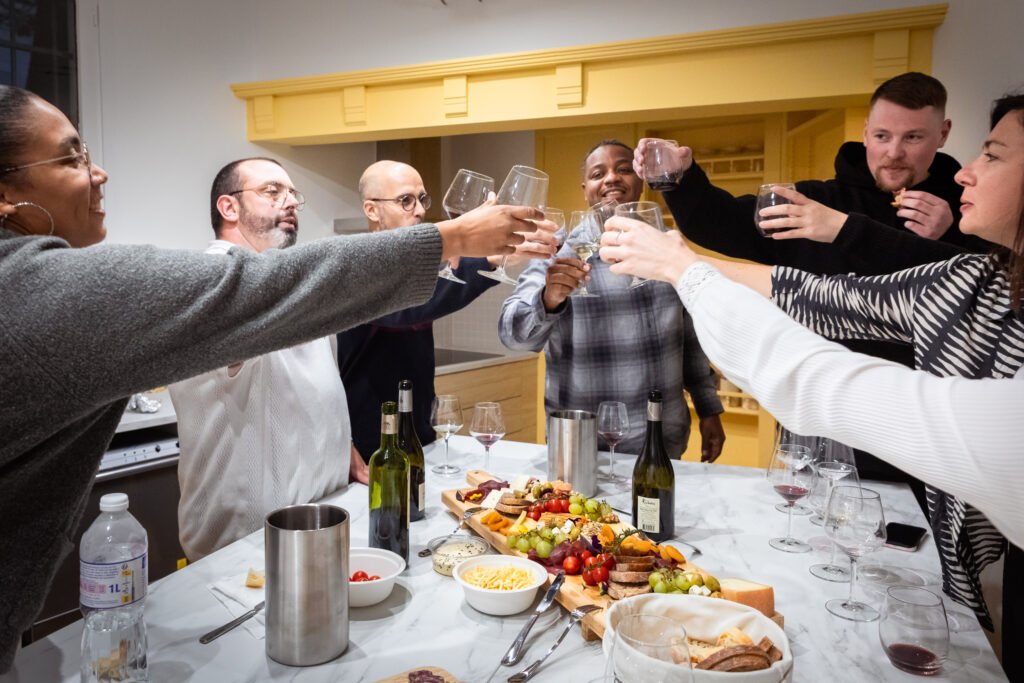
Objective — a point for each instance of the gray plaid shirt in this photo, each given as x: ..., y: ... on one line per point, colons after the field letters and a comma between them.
x: 614, y: 348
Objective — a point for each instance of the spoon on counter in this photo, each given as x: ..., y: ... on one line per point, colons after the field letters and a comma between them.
x: 426, y: 552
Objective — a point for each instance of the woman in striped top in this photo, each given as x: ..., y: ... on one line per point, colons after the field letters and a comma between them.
x: 963, y: 318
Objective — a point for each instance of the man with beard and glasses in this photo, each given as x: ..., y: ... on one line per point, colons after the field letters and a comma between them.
x: 621, y: 343
x: 264, y: 432
x: 898, y: 190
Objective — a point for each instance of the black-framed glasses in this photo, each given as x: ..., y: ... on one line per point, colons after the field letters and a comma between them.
x: 79, y: 157
x: 277, y: 194
x: 406, y: 201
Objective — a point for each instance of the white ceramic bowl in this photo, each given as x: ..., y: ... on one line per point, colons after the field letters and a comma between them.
x: 498, y: 602
x: 374, y: 561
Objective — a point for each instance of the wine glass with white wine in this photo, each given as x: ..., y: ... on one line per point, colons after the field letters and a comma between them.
x: 468, y: 190
x: 446, y: 419
x: 584, y: 239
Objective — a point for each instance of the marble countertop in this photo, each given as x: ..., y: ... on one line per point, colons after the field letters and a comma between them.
x: 727, y: 511
x: 447, y: 368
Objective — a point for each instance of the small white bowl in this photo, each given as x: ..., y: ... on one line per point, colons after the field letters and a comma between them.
x: 498, y: 602
x: 374, y: 561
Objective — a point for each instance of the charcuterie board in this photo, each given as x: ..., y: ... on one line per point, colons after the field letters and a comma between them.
x: 574, y: 592
x: 404, y: 676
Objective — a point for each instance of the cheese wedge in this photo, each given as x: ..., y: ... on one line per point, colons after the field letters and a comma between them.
x: 254, y: 579
x: 756, y: 595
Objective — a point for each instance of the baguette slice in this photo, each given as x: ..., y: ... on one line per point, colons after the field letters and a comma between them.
x: 618, y: 591
x: 628, y: 577
x: 736, y: 658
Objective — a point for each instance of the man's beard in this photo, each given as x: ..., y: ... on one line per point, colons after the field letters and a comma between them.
x: 265, y: 228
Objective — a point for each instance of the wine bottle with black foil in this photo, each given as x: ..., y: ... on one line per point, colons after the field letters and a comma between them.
x: 389, y: 488
x: 410, y: 444
x: 654, y: 482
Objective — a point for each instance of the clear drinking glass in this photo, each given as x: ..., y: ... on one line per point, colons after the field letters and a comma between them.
x: 468, y: 190
x: 766, y: 196
x: 840, y: 463
x: 856, y: 523
x: 648, y: 648
x: 784, y: 436
x: 914, y: 630
x: 524, y: 186
x: 446, y: 419
x: 613, y: 426
x: 584, y: 239
x: 649, y: 213
x: 827, y: 474
x: 487, y: 426
x: 790, y: 474
x: 661, y: 164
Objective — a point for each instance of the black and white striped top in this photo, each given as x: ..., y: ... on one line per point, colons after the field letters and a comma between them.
x: 957, y: 316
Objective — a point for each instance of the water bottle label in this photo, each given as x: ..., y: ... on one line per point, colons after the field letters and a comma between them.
x: 104, y: 585
x: 648, y: 514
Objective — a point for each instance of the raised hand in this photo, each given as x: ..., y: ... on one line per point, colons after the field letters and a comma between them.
x: 564, y: 276
x: 804, y: 218
x: 489, y: 230
x: 684, y: 156
x: 541, y: 243
x: 635, y: 248
x: 927, y: 215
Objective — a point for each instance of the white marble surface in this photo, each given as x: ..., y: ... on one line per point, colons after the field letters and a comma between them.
x: 727, y: 511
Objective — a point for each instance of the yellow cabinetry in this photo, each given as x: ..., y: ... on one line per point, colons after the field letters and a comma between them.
x: 513, y: 384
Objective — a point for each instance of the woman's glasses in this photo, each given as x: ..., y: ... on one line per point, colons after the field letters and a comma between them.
x: 79, y: 158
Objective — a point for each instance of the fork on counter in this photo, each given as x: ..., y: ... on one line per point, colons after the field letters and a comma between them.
x: 574, y: 618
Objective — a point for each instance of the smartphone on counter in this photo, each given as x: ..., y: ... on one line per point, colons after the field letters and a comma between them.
x: 903, y: 536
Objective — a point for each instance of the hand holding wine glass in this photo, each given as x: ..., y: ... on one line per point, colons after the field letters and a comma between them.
x: 661, y: 167
x: 790, y: 474
x: 612, y: 426
x: 446, y: 419
x: 648, y: 212
x: 856, y: 522
x: 767, y: 196
x: 467, y: 191
x: 524, y: 186
x: 487, y: 426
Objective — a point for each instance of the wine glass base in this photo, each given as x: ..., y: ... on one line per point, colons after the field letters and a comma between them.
x: 584, y: 294
x: 797, y: 509
x: 498, y: 275
x: 446, y: 470
x: 818, y: 520
x: 789, y: 545
x: 449, y: 275
x: 852, y: 610
x: 637, y: 282
x: 830, y: 572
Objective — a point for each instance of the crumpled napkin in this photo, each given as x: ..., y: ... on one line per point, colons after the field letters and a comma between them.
x: 238, y: 598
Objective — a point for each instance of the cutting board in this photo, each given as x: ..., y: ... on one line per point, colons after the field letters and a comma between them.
x: 573, y: 592
x: 404, y: 676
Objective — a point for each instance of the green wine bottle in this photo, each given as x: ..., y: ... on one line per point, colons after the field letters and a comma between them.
x: 654, y: 482
x: 389, y: 488
x: 410, y: 444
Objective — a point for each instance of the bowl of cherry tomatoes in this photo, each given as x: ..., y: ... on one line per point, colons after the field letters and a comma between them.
x: 372, y: 574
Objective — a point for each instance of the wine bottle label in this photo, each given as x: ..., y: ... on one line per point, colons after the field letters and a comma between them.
x: 104, y: 585
x: 421, y: 496
x: 648, y: 514
x: 388, y: 424
x: 405, y: 401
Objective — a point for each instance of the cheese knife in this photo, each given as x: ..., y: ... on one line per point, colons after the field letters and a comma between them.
x: 516, y: 651
x: 218, y: 632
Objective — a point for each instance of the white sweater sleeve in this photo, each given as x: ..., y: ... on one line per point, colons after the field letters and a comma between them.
x: 963, y: 436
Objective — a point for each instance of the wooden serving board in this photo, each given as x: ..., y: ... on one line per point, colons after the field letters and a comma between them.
x: 404, y: 676
x: 573, y: 592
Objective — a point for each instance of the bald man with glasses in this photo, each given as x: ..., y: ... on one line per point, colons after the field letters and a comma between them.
x: 375, y: 356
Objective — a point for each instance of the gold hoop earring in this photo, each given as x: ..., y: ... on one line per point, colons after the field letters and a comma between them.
x: 49, y: 216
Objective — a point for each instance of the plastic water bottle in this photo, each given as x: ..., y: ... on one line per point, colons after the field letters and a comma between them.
x: 113, y: 578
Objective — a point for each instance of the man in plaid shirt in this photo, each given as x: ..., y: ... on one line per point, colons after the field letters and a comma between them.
x: 621, y: 344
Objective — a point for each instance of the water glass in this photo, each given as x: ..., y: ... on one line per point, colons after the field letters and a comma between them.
x: 661, y: 164
x: 647, y: 647
x: 767, y: 196
x: 913, y: 629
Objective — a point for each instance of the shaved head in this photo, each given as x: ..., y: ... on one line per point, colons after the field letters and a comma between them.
x: 379, y: 176
x: 380, y: 185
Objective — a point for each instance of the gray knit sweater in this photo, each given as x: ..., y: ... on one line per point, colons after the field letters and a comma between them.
x: 82, y: 329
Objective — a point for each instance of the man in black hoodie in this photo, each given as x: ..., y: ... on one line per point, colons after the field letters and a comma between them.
x: 898, y: 191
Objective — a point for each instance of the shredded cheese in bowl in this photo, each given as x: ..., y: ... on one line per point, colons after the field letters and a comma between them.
x: 498, y: 578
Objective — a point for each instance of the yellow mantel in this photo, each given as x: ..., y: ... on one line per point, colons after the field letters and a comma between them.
x: 816, y: 63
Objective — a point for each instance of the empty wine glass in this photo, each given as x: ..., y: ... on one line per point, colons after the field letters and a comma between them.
x: 790, y: 474
x: 767, y: 196
x: 647, y: 647
x: 524, y: 186
x: 487, y: 426
x: 839, y: 463
x: 613, y: 426
x: 584, y: 239
x: 914, y: 630
x: 446, y: 419
x: 649, y: 213
x: 661, y: 164
x: 856, y: 523
x: 556, y: 216
x: 827, y: 474
x: 467, y: 191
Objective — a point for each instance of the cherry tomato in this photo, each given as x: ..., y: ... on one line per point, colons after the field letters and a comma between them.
x: 589, y: 562
x: 535, y: 512
x: 571, y: 565
x: 599, y: 574
x: 359, y: 576
x: 563, y: 505
x: 606, y: 561
x: 588, y: 578
x: 584, y: 556
x: 553, y: 505
x: 374, y: 578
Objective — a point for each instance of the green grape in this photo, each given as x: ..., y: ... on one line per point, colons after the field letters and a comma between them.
x: 546, y: 533
x: 655, y: 578
x: 575, y: 509
x: 559, y: 537
x: 661, y: 587
x: 605, y: 509
x: 712, y: 584
x: 544, y: 549
x: 676, y: 592
x: 577, y: 498
x: 534, y: 540
x: 511, y: 541
x: 592, y: 505
x: 523, y: 544
x: 696, y: 579
x: 682, y: 583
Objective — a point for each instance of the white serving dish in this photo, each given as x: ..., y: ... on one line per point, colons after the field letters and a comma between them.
x: 500, y: 602
x: 374, y: 561
x: 705, y: 619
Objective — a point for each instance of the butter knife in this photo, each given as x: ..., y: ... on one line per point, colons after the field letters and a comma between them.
x: 218, y: 632
x: 516, y: 651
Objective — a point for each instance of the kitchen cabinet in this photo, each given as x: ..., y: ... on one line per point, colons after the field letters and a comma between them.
x: 508, y: 380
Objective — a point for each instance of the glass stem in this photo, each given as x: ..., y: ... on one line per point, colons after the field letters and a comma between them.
x: 501, y: 266
x: 789, y: 519
x: 446, y: 436
x: 611, y: 462
x: 853, y: 578
x: 832, y: 562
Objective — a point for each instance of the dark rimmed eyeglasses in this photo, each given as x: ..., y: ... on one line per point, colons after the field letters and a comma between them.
x: 276, y: 194
x: 79, y: 158
x: 406, y: 201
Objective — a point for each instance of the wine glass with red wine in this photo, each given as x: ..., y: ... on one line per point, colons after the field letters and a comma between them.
x: 791, y: 475
x: 612, y: 426
x: 661, y: 164
x: 468, y: 190
x: 767, y: 196
x: 914, y: 630
x: 855, y: 521
x: 487, y: 426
